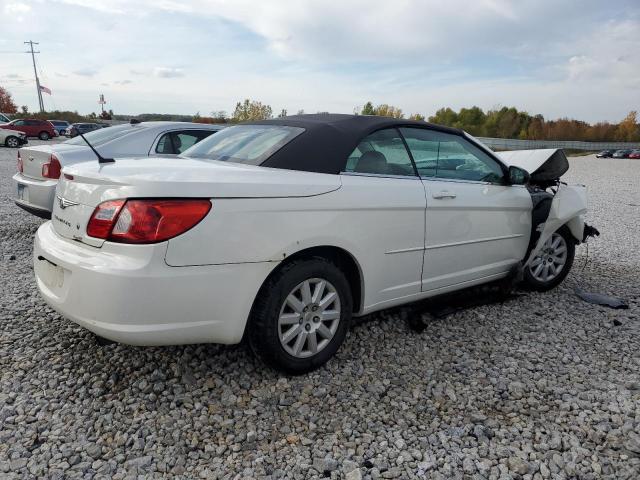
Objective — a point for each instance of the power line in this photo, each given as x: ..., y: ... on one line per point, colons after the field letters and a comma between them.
x: 35, y: 72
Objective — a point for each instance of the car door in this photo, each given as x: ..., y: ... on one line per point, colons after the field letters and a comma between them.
x: 33, y: 127
x: 20, y: 125
x: 387, y: 207
x: 477, y: 226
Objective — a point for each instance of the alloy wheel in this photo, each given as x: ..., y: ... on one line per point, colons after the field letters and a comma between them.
x: 12, y: 142
x: 549, y: 262
x: 309, y: 318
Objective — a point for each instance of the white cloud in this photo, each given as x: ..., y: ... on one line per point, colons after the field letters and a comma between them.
x: 168, y: 72
x: 570, y: 58
x: 86, y: 72
x: 16, y: 8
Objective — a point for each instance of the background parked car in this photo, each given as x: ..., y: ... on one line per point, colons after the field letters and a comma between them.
x: 635, y: 154
x: 12, y: 138
x: 59, y: 125
x: 605, y: 154
x: 39, y: 166
x: 621, y: 153
x: 32, y: 127
x: 73, y: 129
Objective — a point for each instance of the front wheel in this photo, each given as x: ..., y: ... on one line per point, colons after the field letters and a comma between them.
x: 43, y: 136
x: 301, y: 315
x: 553, y: 262
x: 12, y: 142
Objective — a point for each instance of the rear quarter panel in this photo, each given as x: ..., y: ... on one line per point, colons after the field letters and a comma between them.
x: 362, y: 221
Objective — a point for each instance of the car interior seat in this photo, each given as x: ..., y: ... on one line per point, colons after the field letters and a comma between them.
x: 372, y: 162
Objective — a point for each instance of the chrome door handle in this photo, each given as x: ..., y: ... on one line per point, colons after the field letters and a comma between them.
x: 444, y: 194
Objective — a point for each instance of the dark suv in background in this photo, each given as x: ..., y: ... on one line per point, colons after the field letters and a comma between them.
x: 59, y: 125
x: 72, y: 130
x: 43, y: 129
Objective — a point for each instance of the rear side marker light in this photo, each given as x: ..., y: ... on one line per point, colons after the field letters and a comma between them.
x: 20, y: 164
x: 52, y: 168
x: 146, y: 221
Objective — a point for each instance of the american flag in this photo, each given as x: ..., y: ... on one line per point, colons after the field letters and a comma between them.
x: 45, y: 89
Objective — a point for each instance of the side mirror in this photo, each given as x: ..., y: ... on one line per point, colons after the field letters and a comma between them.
x: 518, y: 176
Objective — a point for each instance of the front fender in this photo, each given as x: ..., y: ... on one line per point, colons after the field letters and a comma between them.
x: 568, y: 207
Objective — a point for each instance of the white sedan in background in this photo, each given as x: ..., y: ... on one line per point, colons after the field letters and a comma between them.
x: 279, y: 231
x: 39, y: 166
x: 12, y: 138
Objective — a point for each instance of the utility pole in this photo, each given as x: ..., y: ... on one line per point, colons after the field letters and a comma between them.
x: 35, y: 71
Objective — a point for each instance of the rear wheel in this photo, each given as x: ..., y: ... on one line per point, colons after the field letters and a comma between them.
x: 12, y: 142
x: 301, y: 315
x: 44, y: 136
x: 553, y: 262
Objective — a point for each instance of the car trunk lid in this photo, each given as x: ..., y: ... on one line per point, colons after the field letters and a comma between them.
x: 85, y: 185
x: 34, y: 157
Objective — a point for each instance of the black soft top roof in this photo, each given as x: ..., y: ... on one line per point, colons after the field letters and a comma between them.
x: 329, y: 139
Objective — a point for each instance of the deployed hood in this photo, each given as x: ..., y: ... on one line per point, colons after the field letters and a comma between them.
x: 543, y: 165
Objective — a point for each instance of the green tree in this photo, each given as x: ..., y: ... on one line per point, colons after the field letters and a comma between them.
x: 417, y: 116
x: 444, y: 116
x: 251, y: 110
x: 385, y: 110
x: 471, y: 120
x: 368, y: 109
x: 283, y: 113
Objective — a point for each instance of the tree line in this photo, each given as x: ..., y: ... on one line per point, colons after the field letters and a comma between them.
x: 505, y: 122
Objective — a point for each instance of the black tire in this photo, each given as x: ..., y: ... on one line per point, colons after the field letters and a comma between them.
x: 44, y: 136
x: 263, y: 330
x: 12, y: 142
x: 536, y: 284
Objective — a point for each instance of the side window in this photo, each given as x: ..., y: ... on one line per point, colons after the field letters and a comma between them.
x: 19, y: 123
x: 382, y: 153
x: 178, y: 142
x: 165, y: 144
x: 443, y: 155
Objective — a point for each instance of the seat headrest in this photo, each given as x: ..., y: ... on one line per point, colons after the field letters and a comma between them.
x: 372, y: 162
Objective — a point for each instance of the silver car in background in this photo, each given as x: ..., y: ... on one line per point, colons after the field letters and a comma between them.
x: 39, y: 166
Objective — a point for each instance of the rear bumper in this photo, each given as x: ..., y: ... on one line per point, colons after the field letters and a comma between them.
x: 35, y: 196
x: 127, y: 293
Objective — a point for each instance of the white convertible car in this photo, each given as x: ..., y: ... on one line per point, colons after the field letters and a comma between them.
x: 279, y: 231
x: 39, y: 166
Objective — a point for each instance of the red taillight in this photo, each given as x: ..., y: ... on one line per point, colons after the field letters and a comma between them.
x: 20, y: 164
x: 146, y: 221
x: 52, y: 168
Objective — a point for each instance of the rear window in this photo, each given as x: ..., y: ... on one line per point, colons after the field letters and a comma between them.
x: 249, y: 144
x: 103, y: 135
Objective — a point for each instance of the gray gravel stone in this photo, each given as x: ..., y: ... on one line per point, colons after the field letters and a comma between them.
x: 543, y: 386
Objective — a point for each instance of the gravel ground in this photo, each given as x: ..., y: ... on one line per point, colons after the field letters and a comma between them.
x: 543, y: 386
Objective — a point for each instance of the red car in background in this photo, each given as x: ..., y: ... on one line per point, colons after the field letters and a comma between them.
x: 635, y: 154
x: 32, y: 127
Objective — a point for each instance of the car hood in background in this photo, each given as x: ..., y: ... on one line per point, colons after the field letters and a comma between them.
x: 543, y: 165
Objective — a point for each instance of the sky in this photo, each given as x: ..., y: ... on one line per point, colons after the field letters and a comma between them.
x: 561, y: 58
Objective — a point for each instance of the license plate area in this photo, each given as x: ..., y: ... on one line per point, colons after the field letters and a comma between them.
x: 52, y: 275
x: 23, y: 192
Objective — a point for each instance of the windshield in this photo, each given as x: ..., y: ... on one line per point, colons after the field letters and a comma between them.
x: 250, y: 144
x: 103, y: 135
